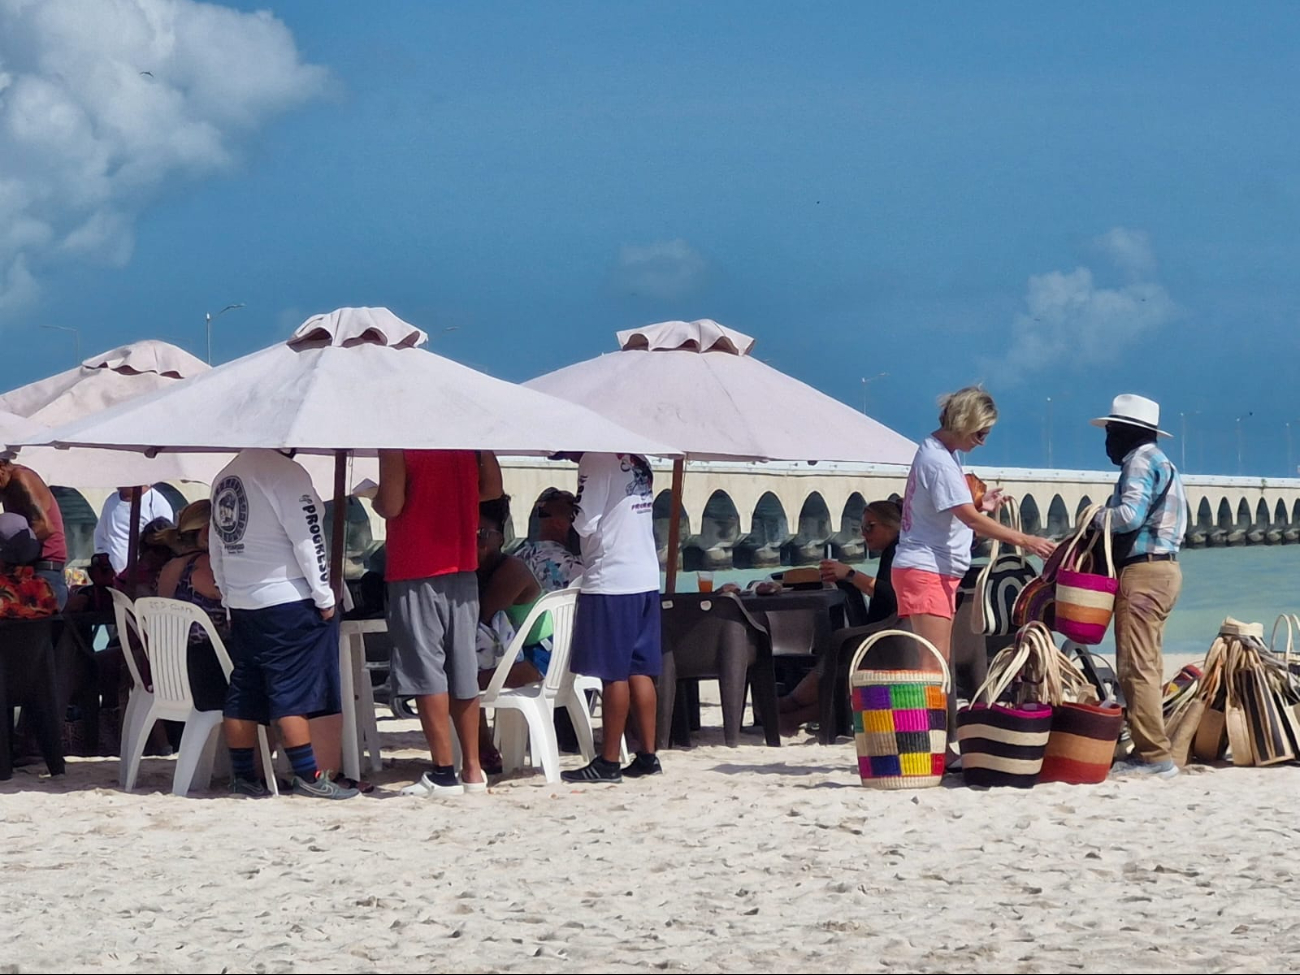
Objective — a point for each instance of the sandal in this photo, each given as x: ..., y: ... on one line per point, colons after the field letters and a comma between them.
x: 490, y: 759
x: 365, y: 788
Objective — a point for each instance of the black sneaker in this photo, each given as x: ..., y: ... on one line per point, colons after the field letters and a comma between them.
x: 253, y: 788
x: 322, y: 787
x: 598, y: 770
x: 643, y: 765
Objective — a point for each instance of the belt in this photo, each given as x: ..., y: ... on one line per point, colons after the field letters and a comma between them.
x: 45, y: 565
x: 1154, y: 557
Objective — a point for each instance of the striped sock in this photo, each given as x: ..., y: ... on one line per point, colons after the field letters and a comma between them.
x: 242, y: 764
x: 303, y: 760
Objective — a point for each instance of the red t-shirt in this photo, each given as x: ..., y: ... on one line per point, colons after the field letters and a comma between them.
x: 437, y: 532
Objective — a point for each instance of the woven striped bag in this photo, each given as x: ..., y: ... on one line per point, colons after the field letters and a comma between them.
x: 900, y: 719
x: 1004, y: 744
x: 1081, y: 747
x: 1085, y: 601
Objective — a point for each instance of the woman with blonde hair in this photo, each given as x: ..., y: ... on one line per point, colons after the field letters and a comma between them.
x: 940, y: 519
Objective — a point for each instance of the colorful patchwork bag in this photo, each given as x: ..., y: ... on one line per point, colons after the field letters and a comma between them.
x: 900, y: 719
x: 1085, y: 600
x: 1004, y: 744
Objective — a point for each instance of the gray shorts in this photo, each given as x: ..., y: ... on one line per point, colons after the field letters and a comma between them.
x: 433, y: 623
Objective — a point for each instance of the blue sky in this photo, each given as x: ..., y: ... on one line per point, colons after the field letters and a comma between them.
x: 1059, y: 202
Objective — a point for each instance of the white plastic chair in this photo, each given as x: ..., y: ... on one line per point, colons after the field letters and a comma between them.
x: 525, y: 716
x: 140, y: 698
x: 165, y: 625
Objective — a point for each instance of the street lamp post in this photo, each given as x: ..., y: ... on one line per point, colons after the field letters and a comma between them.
x: 1240, y: 447
x: 865, y: 381
x: 76, y: 337
x: 1049, y: 433
x: 210, y: 318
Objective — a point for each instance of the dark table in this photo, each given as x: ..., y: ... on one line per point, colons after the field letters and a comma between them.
x: 28, y: 679
x: 800, y: 621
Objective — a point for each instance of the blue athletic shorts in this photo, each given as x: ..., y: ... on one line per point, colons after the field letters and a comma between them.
x: 286, y: 663
x: 617, y: 636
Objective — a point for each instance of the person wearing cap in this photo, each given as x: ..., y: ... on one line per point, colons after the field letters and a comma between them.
x: 113, y: 530
x: 1148, y: 518
x: 23, y: 492
x: 24, y: 594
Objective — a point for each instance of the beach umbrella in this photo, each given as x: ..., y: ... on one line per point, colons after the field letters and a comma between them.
x: 698, y: 386
x: 355, y: 380
x: 14, y: 428
x: 100, y: 382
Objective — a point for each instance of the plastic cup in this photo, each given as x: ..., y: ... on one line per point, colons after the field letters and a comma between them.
x: 704, y: 581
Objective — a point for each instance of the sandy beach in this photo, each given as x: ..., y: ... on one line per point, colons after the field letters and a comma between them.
x: 744, y: 859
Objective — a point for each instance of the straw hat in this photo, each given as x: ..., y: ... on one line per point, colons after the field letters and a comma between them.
x: 1134, y: 411
x: 190, y: 521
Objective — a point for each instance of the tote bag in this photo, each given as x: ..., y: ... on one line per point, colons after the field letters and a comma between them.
x: 1085, y: 600
x: 1000, y: 584
x: 1004, y: 744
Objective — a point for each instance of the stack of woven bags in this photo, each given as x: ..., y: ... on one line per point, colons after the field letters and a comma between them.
x: 1036, y: 718
x: 1243, y: 703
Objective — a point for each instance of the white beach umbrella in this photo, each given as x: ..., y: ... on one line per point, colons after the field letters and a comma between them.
x: 354, y: 380
x: 100, y: 382
x: 14, y: 428
x: 698, y: 386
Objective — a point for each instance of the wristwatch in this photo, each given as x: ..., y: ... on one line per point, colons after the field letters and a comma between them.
x: 852, y: 573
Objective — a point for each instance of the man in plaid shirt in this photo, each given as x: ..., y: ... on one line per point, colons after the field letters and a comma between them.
x: 1148, y: 513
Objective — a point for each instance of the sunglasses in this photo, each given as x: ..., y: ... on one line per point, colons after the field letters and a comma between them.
x: 979, y: 436
x: 485, y: 533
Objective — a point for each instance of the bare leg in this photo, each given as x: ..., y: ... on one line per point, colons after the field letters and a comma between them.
x: 239, y: 733
x: 938, y: 630
x: 645, y: 704
x: 294, y: 731
x: 435, y: 722
x: 465, y: 715
x: 614, y: 703
x: 327, y: 741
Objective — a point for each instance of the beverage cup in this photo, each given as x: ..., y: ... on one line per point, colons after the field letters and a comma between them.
x: 704, y: 581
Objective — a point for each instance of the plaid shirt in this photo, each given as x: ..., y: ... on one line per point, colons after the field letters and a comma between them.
x: 1145, y: 474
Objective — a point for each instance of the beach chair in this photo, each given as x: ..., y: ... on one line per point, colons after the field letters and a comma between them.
x: 165, y: 626
x: 525, y: 716
x: 140, y: 697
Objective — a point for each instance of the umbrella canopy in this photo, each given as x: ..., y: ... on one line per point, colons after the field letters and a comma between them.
x: 355, y: 379
x: 698, y: 386
x: 14, y: 428
x: 100, y: 382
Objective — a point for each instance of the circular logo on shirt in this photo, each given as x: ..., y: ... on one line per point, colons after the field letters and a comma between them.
x: 230, y: 510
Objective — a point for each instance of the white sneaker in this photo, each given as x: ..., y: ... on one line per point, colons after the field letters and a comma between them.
x: 1134, y: 767
x: 426, y: 788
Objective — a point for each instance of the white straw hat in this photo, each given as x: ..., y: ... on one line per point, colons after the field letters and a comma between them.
x: 1136, y: 411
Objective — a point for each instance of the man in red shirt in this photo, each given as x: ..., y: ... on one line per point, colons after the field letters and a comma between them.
x: 430, y: 500
x: 24, y: 493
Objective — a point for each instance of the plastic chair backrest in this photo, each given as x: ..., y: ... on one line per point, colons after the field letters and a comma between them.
x: 127, y: 624
x: 166, y: 624
x: 561, y: 605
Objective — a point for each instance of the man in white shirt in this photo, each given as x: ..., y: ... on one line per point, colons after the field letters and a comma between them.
x: 616, y: 626
x: 271, y: 563
x: 113, y: 531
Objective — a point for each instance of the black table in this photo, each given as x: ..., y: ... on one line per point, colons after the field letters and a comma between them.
x: 800, y: 621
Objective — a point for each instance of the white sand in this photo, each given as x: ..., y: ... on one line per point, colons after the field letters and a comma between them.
x: 746, y: 859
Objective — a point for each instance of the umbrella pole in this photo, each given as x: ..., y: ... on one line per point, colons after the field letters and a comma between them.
x: 133, y: 543
x: 340, y: 525
x: 674, y: 526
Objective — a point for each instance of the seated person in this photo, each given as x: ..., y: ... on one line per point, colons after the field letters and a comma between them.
x: 188, y: 577
x: 24, y: 595
x: 95, y: 597
x: 880, y: 527
x: 154, y: 553
x: 554, y: 558
x: 507, y: 586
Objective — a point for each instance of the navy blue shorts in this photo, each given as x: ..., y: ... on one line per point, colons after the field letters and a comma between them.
x: 617, y: 637
x: 286, y: 663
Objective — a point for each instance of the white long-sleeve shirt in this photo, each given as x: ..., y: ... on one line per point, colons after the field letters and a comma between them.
x: 113, y: 531
x: 615, y: 520
x: 268, y: 534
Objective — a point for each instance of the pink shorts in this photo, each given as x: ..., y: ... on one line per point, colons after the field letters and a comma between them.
x: 920, y: 592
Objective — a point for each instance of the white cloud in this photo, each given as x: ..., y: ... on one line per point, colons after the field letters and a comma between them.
x: 102, y: 102
x: 1129, y: 250
x: 664, y: 269
x: 1071, y: 322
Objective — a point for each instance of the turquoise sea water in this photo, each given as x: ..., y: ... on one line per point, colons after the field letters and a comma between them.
x: 1251, y: 583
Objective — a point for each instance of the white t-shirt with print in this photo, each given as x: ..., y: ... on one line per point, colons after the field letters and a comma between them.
x: 267, y: 543
x: 113, y: 530
x: 615, y: 519
x: 932, y: 537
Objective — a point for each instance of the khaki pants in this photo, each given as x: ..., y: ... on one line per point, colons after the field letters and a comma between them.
x: 1147, y: 594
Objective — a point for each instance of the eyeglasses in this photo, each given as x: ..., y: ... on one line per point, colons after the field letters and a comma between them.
x: 979, y: 436
x: 485, y: 533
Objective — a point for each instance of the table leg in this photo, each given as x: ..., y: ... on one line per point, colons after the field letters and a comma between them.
x: 348, y: 696
x: 6, y: 728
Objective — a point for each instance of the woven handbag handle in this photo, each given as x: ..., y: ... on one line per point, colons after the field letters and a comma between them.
x: 1007, y: 665
x: 866, y: 645
x: 1074, y: 541
x: 1106, y: 543
x: 1292, y: 622
x: 1213, y: 676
